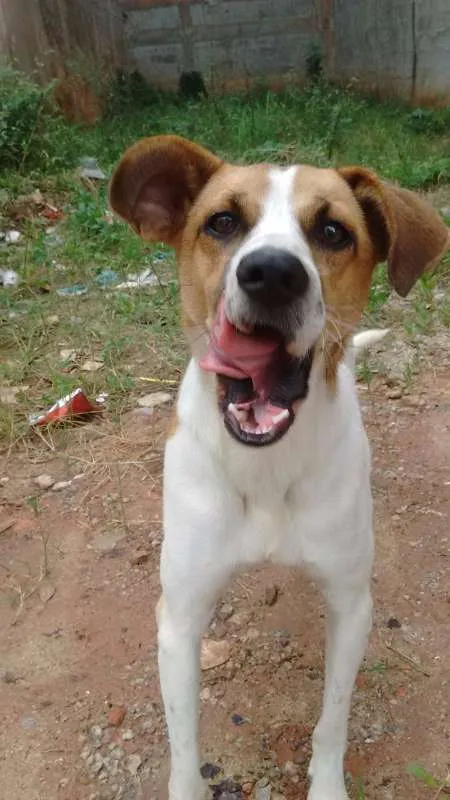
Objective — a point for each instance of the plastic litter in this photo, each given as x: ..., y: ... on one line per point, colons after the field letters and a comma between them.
x: 72, y: 406
x: 73, y: 291
x: 8, y: 277
x: 12, y: 237
x: 139, y: 280
x: 90, y: 169
x: 106, y: 277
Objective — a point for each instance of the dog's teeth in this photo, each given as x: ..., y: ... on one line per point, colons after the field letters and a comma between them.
x: 280, y: 417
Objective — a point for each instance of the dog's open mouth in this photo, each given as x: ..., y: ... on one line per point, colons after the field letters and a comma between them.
x: 259, y: 381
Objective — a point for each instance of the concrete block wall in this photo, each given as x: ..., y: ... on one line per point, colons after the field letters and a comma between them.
x: 395, y: 47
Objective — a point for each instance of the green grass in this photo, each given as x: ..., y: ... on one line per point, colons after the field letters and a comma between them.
x: 136, y: 333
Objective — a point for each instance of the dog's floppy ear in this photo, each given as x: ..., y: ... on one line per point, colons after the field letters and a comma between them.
x: 405, y: 230
x: 156, y: 182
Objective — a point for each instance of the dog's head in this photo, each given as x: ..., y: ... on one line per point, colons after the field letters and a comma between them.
x: 274, y: 264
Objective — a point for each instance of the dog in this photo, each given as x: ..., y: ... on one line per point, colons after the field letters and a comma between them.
x: 267, y: 459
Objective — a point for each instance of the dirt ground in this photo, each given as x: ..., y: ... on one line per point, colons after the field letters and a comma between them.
x: 79, y: 697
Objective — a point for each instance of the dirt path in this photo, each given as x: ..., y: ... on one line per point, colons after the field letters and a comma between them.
x: 80, y: 650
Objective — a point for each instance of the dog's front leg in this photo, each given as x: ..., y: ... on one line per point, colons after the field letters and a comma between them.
x: 348, y: 627
x: 179, y: 639
x: 196, y: 564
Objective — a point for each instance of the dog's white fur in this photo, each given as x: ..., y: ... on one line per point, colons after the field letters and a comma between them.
x: 304, y: 501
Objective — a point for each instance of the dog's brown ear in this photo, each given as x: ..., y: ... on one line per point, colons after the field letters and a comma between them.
x: 405, y: 230
x: 156, y: 182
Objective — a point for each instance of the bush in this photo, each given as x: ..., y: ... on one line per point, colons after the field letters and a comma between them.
x: 25, y: 113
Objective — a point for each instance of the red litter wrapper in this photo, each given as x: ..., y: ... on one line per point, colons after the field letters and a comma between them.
x: 75, y: 404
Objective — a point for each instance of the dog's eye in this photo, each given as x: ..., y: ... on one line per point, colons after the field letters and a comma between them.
x: 333, y: 235
x: 222, y: 225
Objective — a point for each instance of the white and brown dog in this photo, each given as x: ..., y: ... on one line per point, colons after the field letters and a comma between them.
x: 275, y: 266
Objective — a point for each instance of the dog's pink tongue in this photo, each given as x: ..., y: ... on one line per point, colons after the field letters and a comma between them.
x: 238, y: 355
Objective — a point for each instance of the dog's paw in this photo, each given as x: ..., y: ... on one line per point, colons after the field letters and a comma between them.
x: 327, y: 790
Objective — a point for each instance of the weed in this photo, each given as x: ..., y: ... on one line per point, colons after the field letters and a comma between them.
x: 425, y: 777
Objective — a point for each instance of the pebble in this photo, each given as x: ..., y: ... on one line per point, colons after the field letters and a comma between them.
x: 133, y: 763
x: 108, y: 541
x: 290, y: 769
x: 271, y: 595
x: 154, y: 400
x: 116, y: 716
x: 395, y: 394
x: 44, y: 481
x: 91, y: 366
x: 225, y: 612
x: 209, y: 771
x: 127, y: 735
x: 139, y: 558
x: 214, y: 654
x: 60, y: 485
x: 263, y: 793
x: 4, y: 480
x: 12, y: 237
x: 46, y: 592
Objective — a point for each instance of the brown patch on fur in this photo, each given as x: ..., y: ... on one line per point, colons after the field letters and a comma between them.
x: 202, y: 260
x: 345, y: 274
x: 404, y: 228
x: 156, y: 183
x: 386, y: 223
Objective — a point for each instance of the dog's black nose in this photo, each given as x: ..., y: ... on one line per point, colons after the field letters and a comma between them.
x: 272, y: 277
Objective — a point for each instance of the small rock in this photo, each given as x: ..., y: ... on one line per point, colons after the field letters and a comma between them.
x: 395, y: 394
x: 12, y: 237
x: 60, y: 485
x: 154, y: 400
x: 4, y: 480
x: 116, y: 716
x: 209, y: 771
x: 9, y: 277
x: 44, y: 481
x: 53, y: 319
x: 91, y: 366
x: 68, y: 354
x: 9, y: 677
x: 227, y: 790
x: 108, y: 541
x: 133, y: 763
x: 214, y: 654
x: 393, y: 623
x: 139, y: 558
x: 127, y: 735
x: 271, y: 594
x: 46, y: 592
x: 237, y: 719
x: 225, y: 612
x: 263, y: 793
x: 28, y: 723
x: 8, y: 394
x: 290, y: 769
x: 205, y: 694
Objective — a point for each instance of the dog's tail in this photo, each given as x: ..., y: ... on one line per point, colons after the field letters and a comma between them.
x: 361, y: 341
